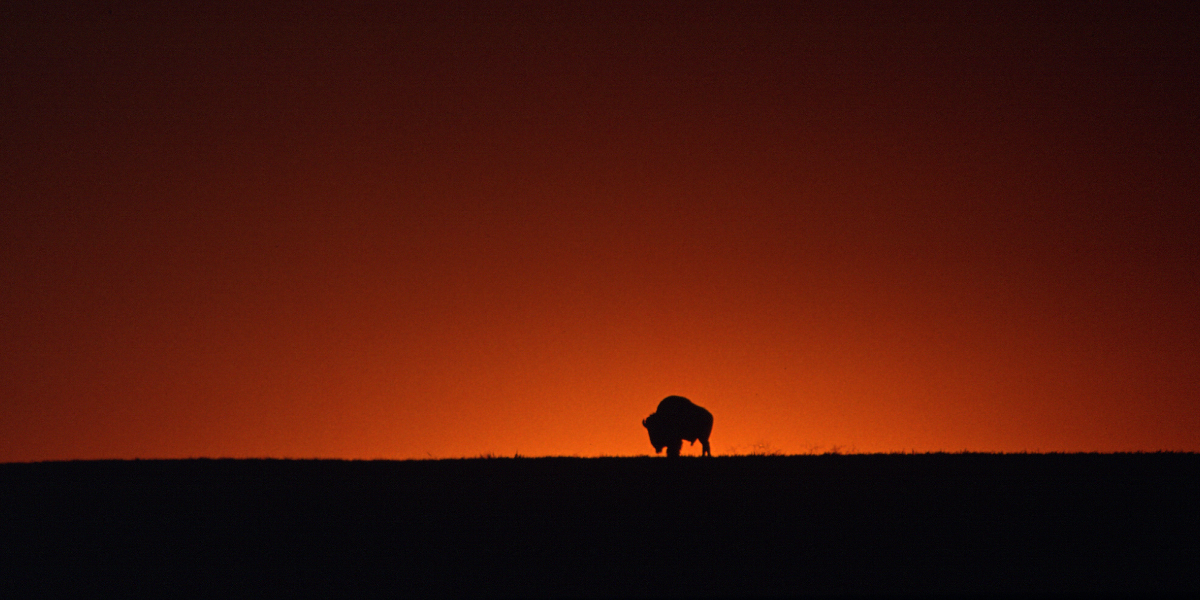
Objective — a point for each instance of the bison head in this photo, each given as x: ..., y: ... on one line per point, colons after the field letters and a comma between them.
x: 658, y: 437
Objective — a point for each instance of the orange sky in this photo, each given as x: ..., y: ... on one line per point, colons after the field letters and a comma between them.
x: 377, y: 232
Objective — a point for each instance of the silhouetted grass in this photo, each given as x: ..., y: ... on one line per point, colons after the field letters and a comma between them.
x: 518, y: 526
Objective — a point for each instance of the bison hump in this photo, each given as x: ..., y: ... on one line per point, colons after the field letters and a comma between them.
x: 674, y: 404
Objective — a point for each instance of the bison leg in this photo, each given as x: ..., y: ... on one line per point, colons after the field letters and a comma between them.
x: 674, y: 447
x: 707, y: 451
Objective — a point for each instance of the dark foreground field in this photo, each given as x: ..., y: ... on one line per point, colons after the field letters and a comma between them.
x: 726, y: 526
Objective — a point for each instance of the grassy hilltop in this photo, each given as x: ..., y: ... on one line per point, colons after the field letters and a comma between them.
x: 749, y: 525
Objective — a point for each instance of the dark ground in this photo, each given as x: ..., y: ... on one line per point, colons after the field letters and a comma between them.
x: 726, y: 526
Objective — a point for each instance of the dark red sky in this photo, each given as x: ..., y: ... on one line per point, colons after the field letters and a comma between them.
x: 446, y: 230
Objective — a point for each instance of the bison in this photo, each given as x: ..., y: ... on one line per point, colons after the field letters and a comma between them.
x: 677, y: 419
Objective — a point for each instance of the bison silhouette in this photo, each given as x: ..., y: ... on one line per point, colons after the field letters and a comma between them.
x: 677, y: 419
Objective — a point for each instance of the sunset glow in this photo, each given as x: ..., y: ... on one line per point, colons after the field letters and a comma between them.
x: 232, y: 230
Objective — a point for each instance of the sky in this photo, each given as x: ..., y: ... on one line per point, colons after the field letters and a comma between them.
x: 435, y: 230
